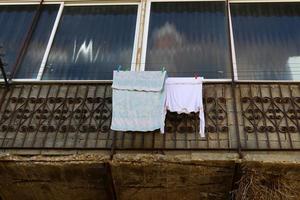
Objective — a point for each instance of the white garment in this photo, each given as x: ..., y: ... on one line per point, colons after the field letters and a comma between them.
x: 184, y: 95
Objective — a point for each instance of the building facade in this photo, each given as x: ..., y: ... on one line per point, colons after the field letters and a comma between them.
x: 58, y: 58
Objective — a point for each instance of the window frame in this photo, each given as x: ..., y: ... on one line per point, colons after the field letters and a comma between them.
x: 146, y: 32
x: 235, y: 67
x: 50, y: 43
x: 141, y: 35
x: 15, y: 3
x: 62, y: 5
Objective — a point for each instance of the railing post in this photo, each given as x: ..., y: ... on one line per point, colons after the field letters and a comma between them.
x: 233, y: 77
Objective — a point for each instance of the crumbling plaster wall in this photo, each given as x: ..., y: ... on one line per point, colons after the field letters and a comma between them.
x: 172, y: 175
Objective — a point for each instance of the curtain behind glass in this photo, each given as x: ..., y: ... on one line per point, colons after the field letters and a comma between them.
x: 91, y: 41
x: 14, y: 22
x: 188, y: 38
x: 33, y: 57
x: 267, y: 40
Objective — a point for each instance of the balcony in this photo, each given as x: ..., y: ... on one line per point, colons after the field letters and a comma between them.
x: 78, y: 116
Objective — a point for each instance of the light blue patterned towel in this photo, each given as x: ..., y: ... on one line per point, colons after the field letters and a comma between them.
x: 138, y: 101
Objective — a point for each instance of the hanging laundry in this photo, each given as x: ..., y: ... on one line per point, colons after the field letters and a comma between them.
x: 184, y: 95
x: 138, y: 101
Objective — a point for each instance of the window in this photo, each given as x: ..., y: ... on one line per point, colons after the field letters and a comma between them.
x: 91, y: 41
x: 15, y: 22
x: 267, y: 40
x: 32, y: 60
x: 188, y: 38
x: 76, y: 41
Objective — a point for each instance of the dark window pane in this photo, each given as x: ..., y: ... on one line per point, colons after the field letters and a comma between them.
x: 91, y: 41
x: 32, y: 60
x: 187, y: 38
x: 267, y: 40
x: 14, y: 22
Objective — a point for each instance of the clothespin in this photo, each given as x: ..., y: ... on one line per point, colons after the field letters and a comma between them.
x: 196, y: 76
x: 119, y: 68
x: 163, y: 69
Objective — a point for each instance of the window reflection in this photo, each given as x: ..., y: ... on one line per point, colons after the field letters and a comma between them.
x: 85, y: 50
x: 188, y: 38
x: 293, y: 64
x: 14, y: 23
x: 267, y: 40
x: 31, y: 63
x: 91, y: 41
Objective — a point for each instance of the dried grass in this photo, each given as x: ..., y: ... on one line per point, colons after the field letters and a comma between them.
x: 257, y: 185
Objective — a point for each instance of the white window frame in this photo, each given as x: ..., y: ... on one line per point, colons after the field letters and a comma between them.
x: 54, y: 31
x: 146, y: 31
x: 50, y: 42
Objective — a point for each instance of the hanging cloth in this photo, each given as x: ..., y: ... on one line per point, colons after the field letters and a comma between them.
x: 138, y: 101
x: 184, y: 95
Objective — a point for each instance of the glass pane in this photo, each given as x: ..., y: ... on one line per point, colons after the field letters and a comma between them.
x: 14, y: 22
x: 267, y: 40
x: 33, y: 57
x: 91, y: 41
x: 188, y: 38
